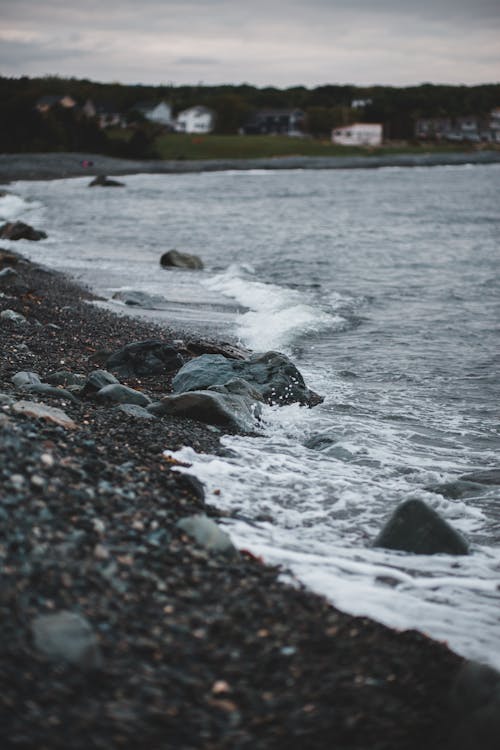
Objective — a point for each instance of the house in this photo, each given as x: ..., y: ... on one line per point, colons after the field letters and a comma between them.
x: 159, y: 112
x: 45, y: 103
x: 358, y: 134
x: 106, y: 113
x: 494, y: 125
x: 435, y: 128
x: 361, y: 103
x: 276, y: 122
x: 467, y: 128
x: 195, y: 120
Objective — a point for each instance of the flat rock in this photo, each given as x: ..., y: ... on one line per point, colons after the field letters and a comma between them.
x: 175, y: 259
x: 416, y: 527
x: 18, y: 230
x: 208, y: 535
x: 212, y: 407
x: 122, y: 394
x: 140, y: 358
x: 42, y: 411
x: 66, y: 636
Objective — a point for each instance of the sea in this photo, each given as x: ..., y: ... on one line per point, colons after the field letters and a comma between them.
x: 383, y: 286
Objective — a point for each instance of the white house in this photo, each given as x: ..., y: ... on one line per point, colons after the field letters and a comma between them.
x: 195, y: 120
x: 358, y: 134
x: 160, y: 112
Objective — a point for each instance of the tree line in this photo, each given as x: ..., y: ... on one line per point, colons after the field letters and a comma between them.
x: 23, y: 128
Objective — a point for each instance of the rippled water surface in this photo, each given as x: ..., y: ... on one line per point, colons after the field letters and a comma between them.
x: 383, y: 286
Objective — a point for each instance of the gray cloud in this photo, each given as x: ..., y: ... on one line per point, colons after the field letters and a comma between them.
x: 286, y: 43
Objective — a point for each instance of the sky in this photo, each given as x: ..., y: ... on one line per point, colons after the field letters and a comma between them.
x: 262, y: 42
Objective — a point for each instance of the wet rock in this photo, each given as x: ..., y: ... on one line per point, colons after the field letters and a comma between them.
x: 213, y: 407
x: 122, y: 394
x: 18, y: 230
x: 151, y: 357
x: 66, y: 636
x: 13, y: 317
x: 141, y: 299
x: 25, y: 379
x: 272, y: 374
x: 136, y: 411
x: 475, y: 705
x: 102, y: 181
x: 42, y: 411
x: 455, y: 490
x: 486, y: 476
x: 416, y: 527
x: 208, y: 535
x: 196, y: 348
x: 175, y: 259
x: 10, y: 258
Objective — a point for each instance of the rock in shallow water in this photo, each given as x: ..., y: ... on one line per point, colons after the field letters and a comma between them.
x: 18, y: 230
x: 416, y: 527
x: 66, y: 636
x: 175, y: 259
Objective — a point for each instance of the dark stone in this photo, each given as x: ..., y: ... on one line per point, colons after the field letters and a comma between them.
x: 66, y: 378
x: 122, y: 394
x: 102, y: 181
x: 455, y: 490
x: 175, y: 259
x: 10, y: 258
x: 475, y: 706
x: 415, y: 527
x: 18, y: 230
x: 43, y: 389
x: 197, y: 348
x: 151, y: 357
x: 135, y: 411
x: 213, y: 407
x: 486, y: 476
x: 141, y: 299
x: 97, y: 380
x: 272, y: 374
x: 66, y: 636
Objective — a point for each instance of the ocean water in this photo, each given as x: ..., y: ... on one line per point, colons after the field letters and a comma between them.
x: 384, y: 288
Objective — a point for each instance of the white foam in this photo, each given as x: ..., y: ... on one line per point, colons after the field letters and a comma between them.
x: 15, y: 208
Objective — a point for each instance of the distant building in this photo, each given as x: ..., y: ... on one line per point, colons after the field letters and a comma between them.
x: 467, y: 128
x: 358, y: 134
x: 195, y: 120
x: 494, y: 124
x: 45, y: 103
x: 276, y: 122
x: 106, y: 113
x: 360, y: 103
x: 435, y: 128
x: 159, y: 112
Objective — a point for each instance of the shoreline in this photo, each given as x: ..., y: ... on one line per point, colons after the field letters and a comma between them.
x: 58, y: 165
x: 198, y: 651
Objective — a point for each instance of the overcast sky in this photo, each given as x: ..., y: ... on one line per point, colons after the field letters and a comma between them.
x: 262, y: 42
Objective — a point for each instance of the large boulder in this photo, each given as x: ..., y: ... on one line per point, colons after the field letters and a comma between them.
x: 142, y: 358
x: 102, y: 181
x: 18, y: 230
x: 175, y: 259
x: 272, y: 374
x: 416, y: 527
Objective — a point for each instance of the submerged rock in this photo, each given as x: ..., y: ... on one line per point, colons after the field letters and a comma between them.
x: 272, y: 374
x: 175, y: 259
x: 208, y: 535
x: 66, y: 636
x: 102, y: 181
x: 416, y: 527
x: 18, y: 230
x: 150, y: 357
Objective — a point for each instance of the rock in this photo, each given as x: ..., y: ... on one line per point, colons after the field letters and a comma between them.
x: 272, y: 374
x: 18, y: 230
x: 42, y: 411
x: 196, y: 348
x: 10, y: 258
x: 66, y: 636
x: 475, y: 706
x: 150, y: 357
x: 175, y: 259
x: 416, y: 527
x: 208, y: 535
x: 13, y: 317
x: 25, y: 379
x: 486, y: 476
x: 141, y: 299
x: 122, y: 394
x: 7, y: 276
x: 67, y: 378
x: 136, y: 411
x: 102, y: 181
x: 455, y: 490
x: 43, y: 389
x: 97, y: 380
x: 213, y: 407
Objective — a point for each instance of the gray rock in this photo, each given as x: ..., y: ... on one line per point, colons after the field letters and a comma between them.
x: 7, y: 274
x: 42, y: 411
x: 102, y: 181
x: 13, y: 317
x: 486, y: 476
x: 6, y: 399
x: 18, y: 230
x: 455, y: 490
x: 99, y: 379
x: 122, y: 394
x: 150, y: 357
x: 475, y: 706
x: 141, y: 299
x: 213, y: 407
x: 66, y: 378
x: 416, y: 527
x: 66, y: 636
x: 272, y: 374
x: 175, y: 259
x: 208, y: 535
x: 51, y: 391
x: 133, y: 410
x: 25, y: 379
